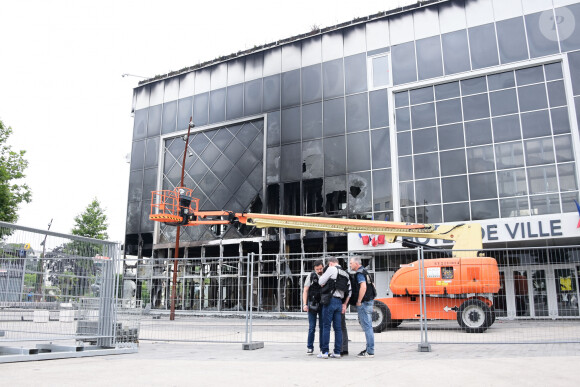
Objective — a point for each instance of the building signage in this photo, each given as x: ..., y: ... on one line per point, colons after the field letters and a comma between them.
x: 499, y: 230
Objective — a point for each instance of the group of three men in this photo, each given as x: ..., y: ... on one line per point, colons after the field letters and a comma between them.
x: 327, y: 292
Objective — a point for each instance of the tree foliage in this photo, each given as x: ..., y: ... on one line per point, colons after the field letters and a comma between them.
x: 92, y: 222
x: 12, y: 167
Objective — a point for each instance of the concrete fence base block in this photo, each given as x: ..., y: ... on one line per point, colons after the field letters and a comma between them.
x: 253, y: 345
x: 41, y: 316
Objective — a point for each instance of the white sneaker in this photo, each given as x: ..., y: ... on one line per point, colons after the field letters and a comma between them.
x: 335, y: 355
x: 322, y: 355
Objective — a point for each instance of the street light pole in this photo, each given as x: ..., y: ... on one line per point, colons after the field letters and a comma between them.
x: 176, y: 254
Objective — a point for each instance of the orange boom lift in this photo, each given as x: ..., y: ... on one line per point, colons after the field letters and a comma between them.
x: 460, y: 287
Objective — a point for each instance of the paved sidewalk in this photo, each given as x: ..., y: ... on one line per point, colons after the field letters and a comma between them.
x: 181, y: 364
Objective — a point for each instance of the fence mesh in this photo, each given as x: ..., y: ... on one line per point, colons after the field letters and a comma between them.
x: 60, y: 288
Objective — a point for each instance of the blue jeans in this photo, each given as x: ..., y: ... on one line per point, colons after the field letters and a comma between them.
x: 312, y: 316
x: 331, y: 313
x: 365, y: 318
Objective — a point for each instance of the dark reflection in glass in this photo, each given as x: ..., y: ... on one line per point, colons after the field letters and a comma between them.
x: 427, y: 192
x: 511, y: 36
x: 253, y: 97
x: 567, y: 177
x: 475, y: 106
x: 538, y: 43
x: 136, y: 186
x: 473, y: 86
x: 424, y: 140
x: 483, y: 186
x: 553, y: 71
x: 403, y: 119
x: 450, y: 136
x: 333, y: 117
x: 483, y: 46
x: 404, y: 143
x: 429, y: 214
x: 560, y: 121
x: 426, y: 165
x: 358, y: 157
x: 447, y: 90
x: 449, y: 111
x: 536, y: 124
x: 453, y: 162
x: 501, y: 81
x: 169, y: 119
x: 480, y: 159
x: 455, y: 52
x: 355, y: 73
x: 290, y: 88
x: 487, y: 209
x: 381, y: 148
x: 273, y: 133
x: 556, y: 93
x: 359, y: 193
x: 184, y: 112
x: 200, y: 109
x: 429, y: 61
x: 423, y: 115
x: 311, y: 121
x: 509, y: 155
x: 478, y: 132
x: 146, y: 224
x: 290, y: 125
x: 532, y: 97
x: 530, y: 75
x: 334, y: 156
x: 137, y: 155
x: 545, y: 204
x: 512, y: 182
x: 506, y: 128
x: 403, y: 62
x: 407, y: 194
x: 152, y: 152
x: 542, y: 179
x: 271, y: 92
x: 222, y: 167
x: 503, y: 102
x: 422, y: 95
x: 574, y: 63
x: 405, y: 168
x: 379, y: 108
x: 382, y: 190
x: 311, y: 83
x: 133, y: 217
x: 457, y: 212
x: 332, y: 79
x: 401, y: 99
x: 291, y: 162
x: 357, y: 112
x: 154, y: 121
x: 454, y: 188
x: 217, y: 105
x: 569, y: 200
x: 273, y: 165
x: 140, y: 124
x: 235, y: 101
x: 408, y: 215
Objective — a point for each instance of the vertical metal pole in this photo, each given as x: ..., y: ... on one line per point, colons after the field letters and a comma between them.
x: 424, y: 345
x: 251, y: 293
x: 176, y: 254
x: 248, y: 279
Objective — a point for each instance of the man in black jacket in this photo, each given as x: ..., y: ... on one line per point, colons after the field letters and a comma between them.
x: 311, y: 301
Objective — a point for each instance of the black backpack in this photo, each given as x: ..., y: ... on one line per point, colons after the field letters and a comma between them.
x: 371, y: 292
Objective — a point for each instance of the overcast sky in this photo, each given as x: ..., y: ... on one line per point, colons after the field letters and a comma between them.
x: 62, y: 92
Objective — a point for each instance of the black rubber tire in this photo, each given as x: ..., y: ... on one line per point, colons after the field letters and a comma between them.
x: 474, y: 316
x: 492, y: 311
x: 381, y: 316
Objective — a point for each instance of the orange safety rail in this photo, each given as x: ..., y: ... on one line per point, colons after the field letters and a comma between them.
x: 165, y: 205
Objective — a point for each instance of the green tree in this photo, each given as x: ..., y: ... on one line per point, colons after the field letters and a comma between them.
x: 12, y: 166
x: 92, y: 222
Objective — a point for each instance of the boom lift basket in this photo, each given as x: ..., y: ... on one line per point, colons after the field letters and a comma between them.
x: 172, y: 206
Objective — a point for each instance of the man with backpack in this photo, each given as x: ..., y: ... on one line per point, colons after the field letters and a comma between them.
x: 336, y: 292
x: 363, y: 294
x: 311, y: 304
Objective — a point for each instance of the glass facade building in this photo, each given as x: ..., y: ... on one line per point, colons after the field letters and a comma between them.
x: 448, y: 111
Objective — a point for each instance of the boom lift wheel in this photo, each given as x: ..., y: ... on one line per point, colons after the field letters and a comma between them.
x: 381, y: 316
x: 474, y: 316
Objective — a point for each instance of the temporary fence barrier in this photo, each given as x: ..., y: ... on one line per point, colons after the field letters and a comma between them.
x: 532, y: 297
x: 58, y: 296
